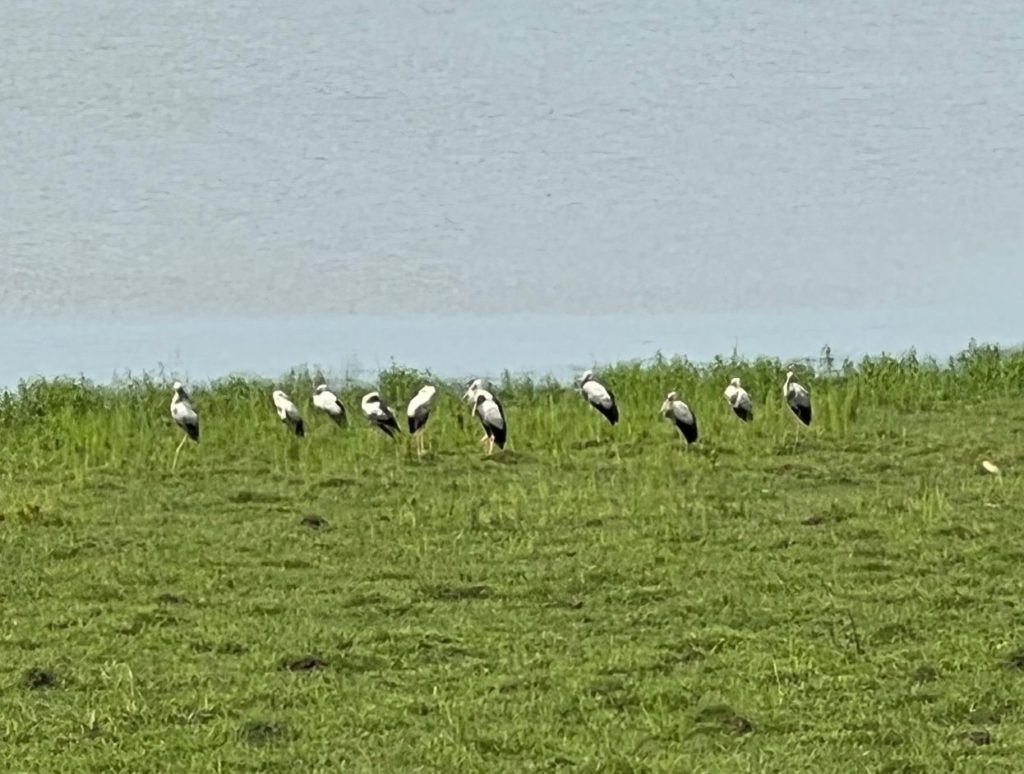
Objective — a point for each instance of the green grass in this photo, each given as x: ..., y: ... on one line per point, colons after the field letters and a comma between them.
x: 843, y: 598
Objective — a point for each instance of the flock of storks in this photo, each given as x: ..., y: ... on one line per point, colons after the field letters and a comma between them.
x: 486, y: 407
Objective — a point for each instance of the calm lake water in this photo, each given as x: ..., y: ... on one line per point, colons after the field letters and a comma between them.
x: 247, y: 186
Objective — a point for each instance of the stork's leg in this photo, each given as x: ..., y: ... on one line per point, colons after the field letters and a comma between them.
x: 177, y: 451
x: 490, y: 447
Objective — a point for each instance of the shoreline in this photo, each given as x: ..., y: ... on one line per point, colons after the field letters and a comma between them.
x: 466, y: 345
x: 824, y: 365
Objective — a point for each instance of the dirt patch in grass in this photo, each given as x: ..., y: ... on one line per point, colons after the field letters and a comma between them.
x: 304, y: 664
x: 337, y: 482
x: 722, y: 717
x: 924, y: 674
x: 504, y: 457
x: 675, y: 658
x: 262, y: 732
x: 247, y: 496
x: 37, y: 679
x: 612, y: 692
x: 455, y: 593
x: 1016, y: 660
x: 313, y: 521
x: 893, y: 633
x: 171, y: 599
x: 989, y: 715
x: 979, y: 737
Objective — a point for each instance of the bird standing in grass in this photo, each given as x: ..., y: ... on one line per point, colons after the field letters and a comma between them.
x: 185, y: 417
x: 289, y: 413
x: 599, y: 396
x: 739, y: 399
x: 330, y: 404
x: 492, y: 416
x: 680, y: 415
x: 798, y: 398
x: 476, y: 388
x: 378, y: 414
x: 418, y: 412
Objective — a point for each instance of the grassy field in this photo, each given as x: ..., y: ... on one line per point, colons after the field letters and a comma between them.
x: 843, y: 598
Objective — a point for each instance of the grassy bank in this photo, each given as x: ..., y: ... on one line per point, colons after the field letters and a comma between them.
x: 846, y: 597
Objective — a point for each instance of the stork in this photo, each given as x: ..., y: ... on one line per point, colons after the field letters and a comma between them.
x: 289, y: 413
x: 739, y: 399
x: 798, y: 398
x: 185, y: 416
x: 417, y: 413
x: 378, y: 414
x: 681, y: 416
x: 330, y: 404
x: 492, y: 416
x: 599, y: 396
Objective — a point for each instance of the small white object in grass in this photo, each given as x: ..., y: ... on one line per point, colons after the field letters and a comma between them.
x: 990, y: 467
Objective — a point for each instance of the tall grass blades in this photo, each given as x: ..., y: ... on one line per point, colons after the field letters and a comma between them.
x: 839, y: 597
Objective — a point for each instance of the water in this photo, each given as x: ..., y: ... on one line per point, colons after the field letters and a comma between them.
x: 246, y: 186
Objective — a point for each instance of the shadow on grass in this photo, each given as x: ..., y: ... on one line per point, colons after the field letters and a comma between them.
x: 313, y: 521
x: 263, y: 732
x: 247, y: 496
x: 722, y: 718
x: 303, y: 664
x: 337, y: 482
x: 36, y: 679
